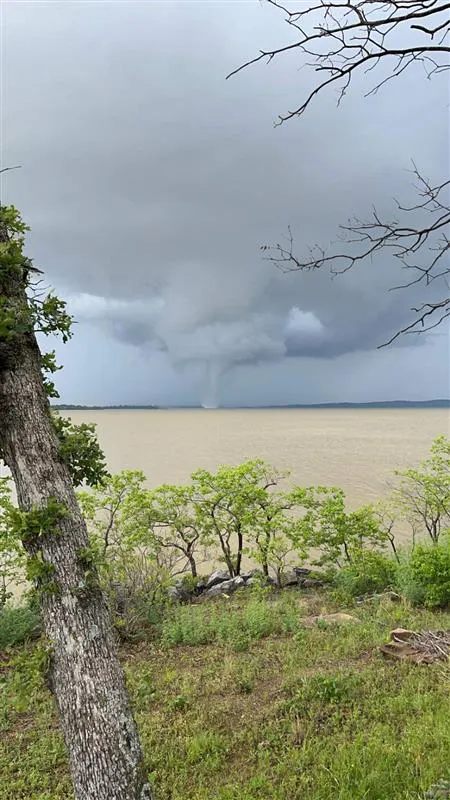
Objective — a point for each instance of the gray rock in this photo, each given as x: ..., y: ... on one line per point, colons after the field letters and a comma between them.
x: 178, y: 594
x: 389, y: 595
x: 289, y: 578
x: 310, y: 583
x: 219, y: 576
x: 251, y: 574
x: 225, y: 587
x: 261, y: 580
x: 219, y: 590
x: 302, y: 572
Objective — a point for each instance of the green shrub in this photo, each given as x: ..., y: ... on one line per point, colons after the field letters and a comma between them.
x: 320, y: 689
x: 329, y: 688
x: 232, y: 626
x: 424, y: 493
x: 424, y: 577
x: 137, y: 601
x: 327, y: 526
x: 407, y: 583
x: 18, y: 625
x: 368, y: 572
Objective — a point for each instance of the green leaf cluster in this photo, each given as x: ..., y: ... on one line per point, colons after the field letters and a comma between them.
x: 31, y: 527
x: 80, y: 449
x: 24, y: 306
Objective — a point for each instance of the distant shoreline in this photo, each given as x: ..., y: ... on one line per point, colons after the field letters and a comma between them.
x: 399, y: 404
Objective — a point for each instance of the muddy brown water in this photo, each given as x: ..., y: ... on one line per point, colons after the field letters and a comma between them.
x: 357, y: 449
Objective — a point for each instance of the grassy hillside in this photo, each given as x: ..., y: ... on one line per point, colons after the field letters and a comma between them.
x: 239, y: 699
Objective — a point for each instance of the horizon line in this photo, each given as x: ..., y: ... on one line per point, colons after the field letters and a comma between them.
x: 326, y: 404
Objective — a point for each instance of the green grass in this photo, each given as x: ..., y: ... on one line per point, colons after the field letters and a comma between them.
x: 18, y: 625
x: 230, y: 623
x: 238, y: 700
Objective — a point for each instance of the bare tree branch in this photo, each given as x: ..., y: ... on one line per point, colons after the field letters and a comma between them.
x: 338, y: 39
x: 8, y: 169
x: 350, y: 36
x: 423, y: 250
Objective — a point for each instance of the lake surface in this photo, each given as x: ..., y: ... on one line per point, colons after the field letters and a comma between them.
x: 357, y: 449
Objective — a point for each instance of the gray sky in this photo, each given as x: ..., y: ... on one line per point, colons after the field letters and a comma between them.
x: 150, y: 183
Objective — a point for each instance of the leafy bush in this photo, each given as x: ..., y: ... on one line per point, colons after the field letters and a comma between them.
x: 134, y: 575
x: 136, y: 588
x: 327, y: 526
x: 106, y: 508
x: 189, y: 583
x: 368, y: 572
x: 79, y: 447
x: 18, y: 625
x: 320, y: 690
x: 423, y: 494
x: 235, y: 508
x: 424, y: 577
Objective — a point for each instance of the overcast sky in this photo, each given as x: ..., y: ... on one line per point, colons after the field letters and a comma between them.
x: 150, y: 183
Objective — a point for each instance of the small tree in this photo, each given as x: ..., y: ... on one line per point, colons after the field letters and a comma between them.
x: 219, y: 501
x: 386, y: 514
x: 169, y: 517
x: 228, y: 501
x: 270, y: 520
x: 105, y: 507
x: 424, y: 493
x: 327, y: 526
x: 273, y: 550
x: 134, y: 572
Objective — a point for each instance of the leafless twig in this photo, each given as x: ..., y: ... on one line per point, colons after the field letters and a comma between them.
x: 343, y: 37
x: 337, y: 39
x: 422, y: 247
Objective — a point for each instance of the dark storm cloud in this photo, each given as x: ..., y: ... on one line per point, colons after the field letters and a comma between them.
x: 150, y: 182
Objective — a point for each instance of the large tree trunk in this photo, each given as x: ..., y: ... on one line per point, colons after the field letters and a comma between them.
x: 85, y: 672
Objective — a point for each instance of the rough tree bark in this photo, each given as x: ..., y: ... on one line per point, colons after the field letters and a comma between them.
x: 85, y: 673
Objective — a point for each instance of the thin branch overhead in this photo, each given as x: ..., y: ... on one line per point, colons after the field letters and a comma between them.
x: 343, y: 37
x: 422, y: 247
x: 338, y: 39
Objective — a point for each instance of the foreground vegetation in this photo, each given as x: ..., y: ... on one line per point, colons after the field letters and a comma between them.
x: 141, y: 541
x: 240, y: 700
x: 250, y: 696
